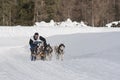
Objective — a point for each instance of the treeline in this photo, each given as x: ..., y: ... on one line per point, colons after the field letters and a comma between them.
x: 16, y: 12
x: 27, y: 12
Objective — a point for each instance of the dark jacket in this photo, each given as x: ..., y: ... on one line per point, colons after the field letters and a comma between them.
x: 41, y: 38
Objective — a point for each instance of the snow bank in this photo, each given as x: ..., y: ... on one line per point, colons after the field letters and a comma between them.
x: 67, y: 23
x: 110, y: 24
x: 54, y: 28
x: 44, y: 24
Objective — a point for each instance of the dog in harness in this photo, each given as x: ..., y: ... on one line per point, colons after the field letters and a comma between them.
x: 48, y: 52
x: 59, y: 51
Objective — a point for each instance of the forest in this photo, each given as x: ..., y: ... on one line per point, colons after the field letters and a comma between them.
x: 27, y: 12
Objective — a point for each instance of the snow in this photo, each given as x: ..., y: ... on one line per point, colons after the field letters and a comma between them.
x: 110, y: 24
x: 90, y: 54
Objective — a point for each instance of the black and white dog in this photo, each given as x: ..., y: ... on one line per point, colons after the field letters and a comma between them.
x: 44, y: 52
x: 59, y: 51
x: 40, y: 52
x: 48, y: 52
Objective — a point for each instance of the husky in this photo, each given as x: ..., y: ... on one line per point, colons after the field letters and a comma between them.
x: 44, y: 52
x: 48, y: 52
x: 40, y: 55
x: 59, y: 51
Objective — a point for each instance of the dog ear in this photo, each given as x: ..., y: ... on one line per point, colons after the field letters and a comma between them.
x: 62, y: 45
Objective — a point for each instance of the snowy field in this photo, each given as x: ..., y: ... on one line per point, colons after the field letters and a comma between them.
x: 90, y: 54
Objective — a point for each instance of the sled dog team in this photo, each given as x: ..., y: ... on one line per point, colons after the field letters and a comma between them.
x: 40, y: 50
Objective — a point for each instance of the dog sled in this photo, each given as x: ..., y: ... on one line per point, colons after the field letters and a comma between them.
x: 45, y: 53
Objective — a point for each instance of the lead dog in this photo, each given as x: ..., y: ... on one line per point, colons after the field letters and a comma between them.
x: 44, y: 52
x: 40, y: 53
x: 59, y: 51
x: 48, y: 52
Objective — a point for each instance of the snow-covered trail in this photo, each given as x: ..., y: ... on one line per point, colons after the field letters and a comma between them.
x: 100, y: 45
x: 88, y: 56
